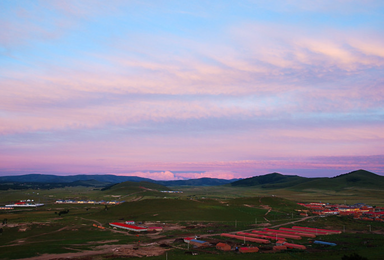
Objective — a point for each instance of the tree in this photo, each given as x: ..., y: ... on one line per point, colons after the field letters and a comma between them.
x: 354, y: 256
x: 63, y: 212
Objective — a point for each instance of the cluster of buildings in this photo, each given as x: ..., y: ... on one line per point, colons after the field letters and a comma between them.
x: 88, y: 202
x: 5, y: 208
x: 272, y: 239
x: 23, y: 204
x: 171, y: 191
x: 358, y: 211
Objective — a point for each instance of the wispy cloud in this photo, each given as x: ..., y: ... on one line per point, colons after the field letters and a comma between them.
x: 97, y: 83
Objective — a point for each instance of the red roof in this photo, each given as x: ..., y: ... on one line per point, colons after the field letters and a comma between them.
x: 127, y: 226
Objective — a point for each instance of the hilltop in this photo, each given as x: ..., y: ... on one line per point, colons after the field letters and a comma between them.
x: 41, y: 180
x: 49, y: 178
x: 359, y: 179
x: 272, y: 180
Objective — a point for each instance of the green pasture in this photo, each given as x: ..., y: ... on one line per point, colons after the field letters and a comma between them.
x: 349, y: 196
x: 344, y: 223
x: 180, y: 210
x: 70, y: 234
x: 129, y: 192
x: 49, y: 213
x: 175, y: 210
x: 203, y: 210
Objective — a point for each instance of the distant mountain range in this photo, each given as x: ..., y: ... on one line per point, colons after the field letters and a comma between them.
x: 359, y: 179
x: 43, y: 178
x: 196, y: 182
x: 31, y: 180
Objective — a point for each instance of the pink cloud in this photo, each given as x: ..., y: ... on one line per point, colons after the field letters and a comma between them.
x: 209, y: 174
x: 303, y: 166
x: 287, y: 46
x: 160, y: 175
x: 168, y: 175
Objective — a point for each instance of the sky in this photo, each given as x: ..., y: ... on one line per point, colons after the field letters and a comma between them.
x: 188, y: 89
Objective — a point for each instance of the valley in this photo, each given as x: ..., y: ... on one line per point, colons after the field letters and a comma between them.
x: 84, y: 232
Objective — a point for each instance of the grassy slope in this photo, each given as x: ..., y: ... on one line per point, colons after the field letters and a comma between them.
x: 80, y: 230
x: 181, y: 210
x: 122, y: 191
x: 195, y: 182
x: 358, y: 179
x: 269, y: 179
x: 131, y: 187
x: 351, y: 196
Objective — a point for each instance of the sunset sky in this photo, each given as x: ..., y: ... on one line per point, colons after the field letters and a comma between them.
x: 190, y: 89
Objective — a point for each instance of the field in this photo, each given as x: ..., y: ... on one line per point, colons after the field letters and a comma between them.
x: 42, y: 233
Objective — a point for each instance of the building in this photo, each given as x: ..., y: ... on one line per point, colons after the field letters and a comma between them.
x: 223, y: 247
x: 128, y: 227
x: 198, y: 243
x: 25, y: 204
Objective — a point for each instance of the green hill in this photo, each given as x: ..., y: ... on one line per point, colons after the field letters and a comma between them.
x: 272, y: 181
x: 360, y: 179
x: 130, y: 187
x: 195, y: 182
x: 89, y: 183
x: 47, y: 178
x: 241, y: 209
x: 357, y: 179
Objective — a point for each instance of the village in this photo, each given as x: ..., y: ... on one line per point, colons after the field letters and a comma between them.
x: 253, y: 241
x: 269, y: 239
x: 31, y: 204
x: 359, y: 211
x: 101, y: 202
x: 311, y: 229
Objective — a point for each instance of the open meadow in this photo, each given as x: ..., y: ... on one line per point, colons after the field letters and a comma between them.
x: 83, y: 231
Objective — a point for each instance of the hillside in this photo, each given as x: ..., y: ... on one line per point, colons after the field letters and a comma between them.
x: 50, y: 185
x: 360, y: 179
x: 241, y: 209
x: 130, y: 187
x: 196, y: 182
x: 89, y: 183
x: 105, y: 178
x: 45, y: 178
x: 272, y: 180
x: 357, y: 179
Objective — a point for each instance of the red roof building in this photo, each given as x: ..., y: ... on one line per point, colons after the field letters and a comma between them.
x: 128, y: 227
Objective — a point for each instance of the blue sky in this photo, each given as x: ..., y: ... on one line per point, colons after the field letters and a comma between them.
x: 177, y: 89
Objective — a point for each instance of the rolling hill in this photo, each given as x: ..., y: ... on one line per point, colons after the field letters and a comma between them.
x: 108, y: 179
x: 360, y: 179
x: 46, y: 178
x: 272, y: 181
x: 196, y: 182
x: 50, y: 185
x: 130, y: 187
x: 357, y: 179
x: 241, y: 209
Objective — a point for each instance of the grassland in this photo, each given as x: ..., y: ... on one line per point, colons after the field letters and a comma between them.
x: 199, y: 210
